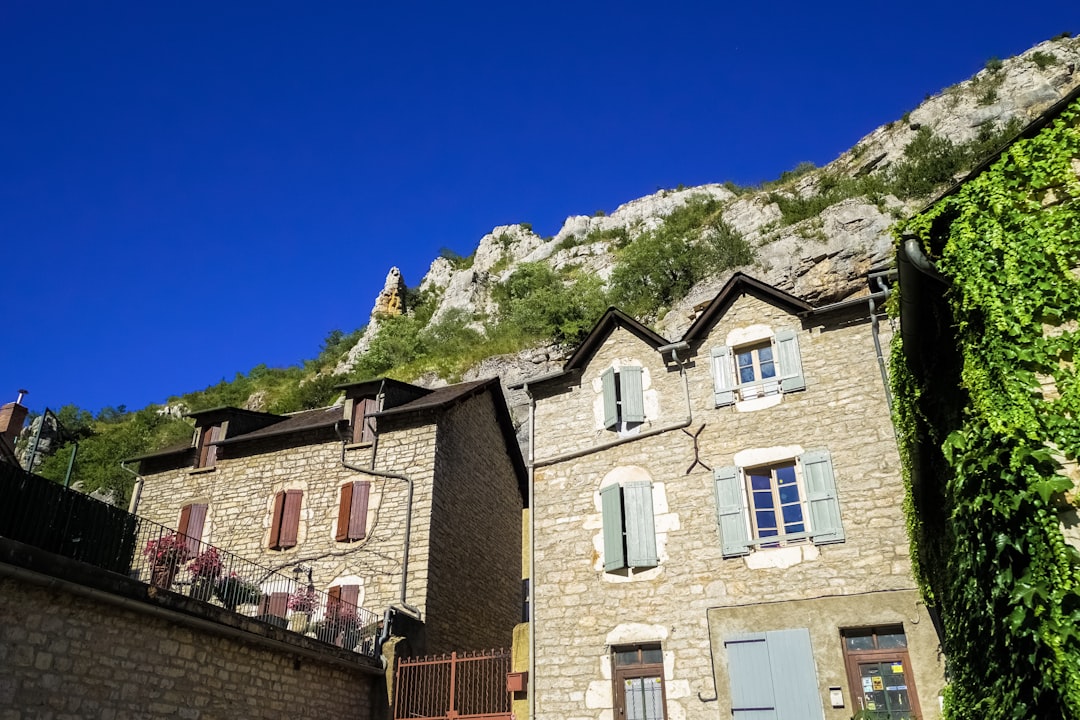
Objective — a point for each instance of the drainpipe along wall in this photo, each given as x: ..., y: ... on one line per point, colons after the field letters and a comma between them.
x: 410, y: 609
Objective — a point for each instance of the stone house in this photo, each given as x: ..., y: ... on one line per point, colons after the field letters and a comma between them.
x: 403, y: 497
x: 987, y: 399
x: 716, y: 522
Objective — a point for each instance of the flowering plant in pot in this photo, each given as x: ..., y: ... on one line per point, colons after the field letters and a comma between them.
x: 233, y: 590
x: 303, y: 600
x: 205, y: 569
x: 166, y: 553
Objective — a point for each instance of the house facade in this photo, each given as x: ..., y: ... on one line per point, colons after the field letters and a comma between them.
x: 403, y: 497
x: 717, y: 526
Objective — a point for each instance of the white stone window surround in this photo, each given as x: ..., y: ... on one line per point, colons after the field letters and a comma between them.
x: 761, y: 393
x: 649, y: 396
x: 598, y: 695
x: 787, y: 555
x: 664, y: 522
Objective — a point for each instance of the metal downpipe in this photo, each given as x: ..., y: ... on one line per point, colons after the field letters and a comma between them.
x: 412, y: 610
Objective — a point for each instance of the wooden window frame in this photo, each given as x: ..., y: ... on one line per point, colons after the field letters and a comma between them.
x: 620, y: 673
x: 285, y: 519
x: 728, y: 387
x: 852, y: 659
x: 782, y: 538
x: 352, y: 511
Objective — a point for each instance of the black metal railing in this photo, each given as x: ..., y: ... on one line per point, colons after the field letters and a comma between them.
x: 43, y: 514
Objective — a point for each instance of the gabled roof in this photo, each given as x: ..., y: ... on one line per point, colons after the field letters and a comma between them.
x: 229, y: 410
x: 365, y: 387
x: 738, y: 285
x: 177, y: 449
x: 613, y: 318
x: 440, y: 397
x: 296, y: 422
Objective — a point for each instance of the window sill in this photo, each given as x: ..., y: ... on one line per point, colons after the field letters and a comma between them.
x: 359, y: 445
x: 781, y: 557
x: 202, y: 470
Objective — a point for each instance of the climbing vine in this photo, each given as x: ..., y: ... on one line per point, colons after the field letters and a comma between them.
x: 1004, y: 436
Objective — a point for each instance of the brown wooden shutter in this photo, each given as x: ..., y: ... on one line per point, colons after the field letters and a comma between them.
x: 290, y: 519
x: 361, y: 491
x: 333, y: 602
x: 192, y: 525
x: 368, y: 434
x: 211, y: 450
x: 185, y: 520
x: 274, y: 604
x: 275, y: 521
x: 350, y: 597
x: 344, y: 512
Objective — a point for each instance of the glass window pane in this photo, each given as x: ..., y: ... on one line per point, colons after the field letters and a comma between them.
x: 746, y: 374
x: 793, y: 514
x: 765, y: 354
x: 794, y: 528
x: 759, y: 481
x: 626, y: 657
x: 789, y: 494
x: 766, y: 520
x: 652, y: 655
x: 763, y: 500
x: 859, y: 640
x: 768, y: 369
x: 785, y: 474
x: 888, y: 640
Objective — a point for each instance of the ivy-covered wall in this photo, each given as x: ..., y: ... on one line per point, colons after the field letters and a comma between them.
x: 987, y: 407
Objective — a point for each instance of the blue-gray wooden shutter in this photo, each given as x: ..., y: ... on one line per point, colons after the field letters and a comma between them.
x: 723, y: 373
x: 633, y: 399
x: 753, y: 696
x: 640, y: 530
x: 773, y: 676
x: 825, y: 524
x: 791, y: 660
x: 611, y: 406
x: 731, y: 512
x: 611, y: 509
x: 787, y: 351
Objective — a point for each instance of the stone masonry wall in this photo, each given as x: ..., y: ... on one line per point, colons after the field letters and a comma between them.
x: 240, y: 491
x: 66, y: 656
x: 843, y: 410
x: 476, y: 524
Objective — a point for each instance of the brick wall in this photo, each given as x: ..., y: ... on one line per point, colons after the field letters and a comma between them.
x: 69, y: 656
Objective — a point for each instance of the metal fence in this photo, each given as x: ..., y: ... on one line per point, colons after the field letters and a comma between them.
x: 43, y: 514
x: 458, y: 685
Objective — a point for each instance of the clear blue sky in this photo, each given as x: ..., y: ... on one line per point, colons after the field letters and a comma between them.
x: 190, y: 189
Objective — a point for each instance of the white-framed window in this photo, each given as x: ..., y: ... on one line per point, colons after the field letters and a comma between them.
x: 624, y: 399
x: 781, y: 503
x: 629, y: 528
x: 766, y: 367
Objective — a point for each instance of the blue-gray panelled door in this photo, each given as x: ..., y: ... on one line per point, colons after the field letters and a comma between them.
x: 773, y: 677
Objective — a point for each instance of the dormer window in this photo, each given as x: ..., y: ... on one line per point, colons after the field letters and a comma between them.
x: 759, y: 368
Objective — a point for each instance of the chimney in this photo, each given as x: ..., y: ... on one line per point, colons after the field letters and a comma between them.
x: 12, y: 417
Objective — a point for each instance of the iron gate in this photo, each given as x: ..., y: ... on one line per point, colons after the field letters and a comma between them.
x: 458, y: 685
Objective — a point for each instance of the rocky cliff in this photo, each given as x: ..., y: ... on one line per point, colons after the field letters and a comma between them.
x: 822, y: 257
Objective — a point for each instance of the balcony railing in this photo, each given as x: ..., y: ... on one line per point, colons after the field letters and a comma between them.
x: 43, y: 514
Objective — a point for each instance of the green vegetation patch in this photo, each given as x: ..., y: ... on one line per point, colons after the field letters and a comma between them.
x: 986, y: 531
